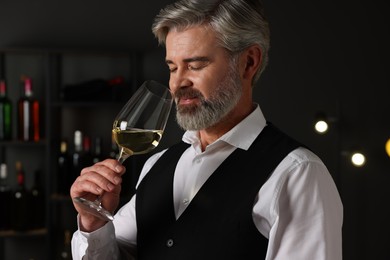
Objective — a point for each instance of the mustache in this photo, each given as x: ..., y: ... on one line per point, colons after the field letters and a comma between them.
x: 183, y: 93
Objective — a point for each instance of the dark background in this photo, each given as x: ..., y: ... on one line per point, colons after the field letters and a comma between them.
x: 330, y: 56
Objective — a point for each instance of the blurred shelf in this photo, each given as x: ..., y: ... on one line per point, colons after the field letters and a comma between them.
x: 28, y: 233
x: 60, y: 198
x: 18, y: 143
x: 76, y: 104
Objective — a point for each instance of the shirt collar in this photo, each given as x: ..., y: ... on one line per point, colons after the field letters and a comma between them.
x: 240, y: 136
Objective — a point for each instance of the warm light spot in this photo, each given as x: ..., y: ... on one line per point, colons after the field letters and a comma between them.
x: 358, y: 159
x: 388, y: 147
x: 321, y: 126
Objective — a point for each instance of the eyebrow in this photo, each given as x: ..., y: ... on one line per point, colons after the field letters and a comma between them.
x: 193, y: 59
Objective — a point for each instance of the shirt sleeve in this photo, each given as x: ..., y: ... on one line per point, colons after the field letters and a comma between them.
x: 99, y: 244
x: 301, y: 211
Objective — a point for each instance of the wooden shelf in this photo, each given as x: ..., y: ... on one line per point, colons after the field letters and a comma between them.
x: 18, y: 143
x: 28, y: 233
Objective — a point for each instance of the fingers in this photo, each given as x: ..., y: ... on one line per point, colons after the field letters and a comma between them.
x: 100, y: 175
x: 109, y: 164
x: 113, y: 165
x: 103, y: 176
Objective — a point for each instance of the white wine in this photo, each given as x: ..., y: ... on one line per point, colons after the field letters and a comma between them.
x: 137, y: 141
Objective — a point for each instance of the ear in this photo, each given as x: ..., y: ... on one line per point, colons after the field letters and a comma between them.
x: 251, y: 60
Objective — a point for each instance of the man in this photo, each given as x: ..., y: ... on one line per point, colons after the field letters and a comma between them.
x: 236, y: 187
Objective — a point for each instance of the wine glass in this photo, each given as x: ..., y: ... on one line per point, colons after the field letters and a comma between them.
x: 137, y: 129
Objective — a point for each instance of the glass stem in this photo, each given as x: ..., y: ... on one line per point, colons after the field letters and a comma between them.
x: 122, y: 156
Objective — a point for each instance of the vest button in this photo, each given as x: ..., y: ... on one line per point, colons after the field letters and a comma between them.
x: 169, y: 242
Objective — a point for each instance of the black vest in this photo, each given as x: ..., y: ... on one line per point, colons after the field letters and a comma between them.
x: 218, y: 222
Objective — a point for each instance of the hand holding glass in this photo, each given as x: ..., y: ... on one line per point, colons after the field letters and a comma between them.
x: 137, y: 129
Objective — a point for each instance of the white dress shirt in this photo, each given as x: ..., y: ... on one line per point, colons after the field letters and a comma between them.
x: 298, y: 209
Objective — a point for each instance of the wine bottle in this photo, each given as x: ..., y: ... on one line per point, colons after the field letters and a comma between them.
x: 97, y: 151
x: 37, y: 202
x: 5, y: 113
x: 86, y: 157
x: 20, y: 202
x: 28, y: 114
x: 5, y: 196
x: 66, y: 247
x: 64, y: 170
x: 77, y: 154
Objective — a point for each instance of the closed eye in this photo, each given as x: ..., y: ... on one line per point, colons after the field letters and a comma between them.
x: 172, y: 69
x: 197, y: 65
x: 192, y: 67
x: 193, y: 64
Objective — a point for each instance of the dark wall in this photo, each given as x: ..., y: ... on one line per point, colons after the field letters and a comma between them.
x: 330, y: 56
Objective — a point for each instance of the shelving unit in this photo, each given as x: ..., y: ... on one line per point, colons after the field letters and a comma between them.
x: 52, y: 71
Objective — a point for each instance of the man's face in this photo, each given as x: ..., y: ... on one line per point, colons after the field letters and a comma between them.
x: 204, y: 80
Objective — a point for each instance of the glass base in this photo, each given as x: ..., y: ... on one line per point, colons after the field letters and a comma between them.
x: 94, y: 208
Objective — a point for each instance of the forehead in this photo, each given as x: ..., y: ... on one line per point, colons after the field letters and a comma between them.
x: 198, y: 40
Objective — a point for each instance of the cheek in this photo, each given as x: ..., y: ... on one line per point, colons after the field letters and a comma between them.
x: 209, y: 82
x: 204, y: 84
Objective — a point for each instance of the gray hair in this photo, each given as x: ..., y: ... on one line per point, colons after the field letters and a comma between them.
x: 238, y: 23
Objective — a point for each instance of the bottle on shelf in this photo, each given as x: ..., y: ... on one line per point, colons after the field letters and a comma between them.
x: 28, y: 114
x: 97, y: 151
x: 77, y: 155
x: 65, y: 252
x: 65, y: 177
x: 5, y: 113
x: 86, y: 157
x: 38, y: 213
x: 5, y: 196
x: 21, y: 212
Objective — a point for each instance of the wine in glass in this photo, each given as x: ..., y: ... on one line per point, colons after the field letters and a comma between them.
x: 137, y: 129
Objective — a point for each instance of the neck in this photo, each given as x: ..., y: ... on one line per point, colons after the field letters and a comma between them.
x: 211, y: 134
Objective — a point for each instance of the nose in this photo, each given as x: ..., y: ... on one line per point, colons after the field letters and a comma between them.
x: 178, y: 80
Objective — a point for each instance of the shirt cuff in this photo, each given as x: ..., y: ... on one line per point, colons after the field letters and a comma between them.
x: 99, y: 239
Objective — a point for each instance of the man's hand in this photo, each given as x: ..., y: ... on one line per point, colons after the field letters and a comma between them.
x: 102, y: 178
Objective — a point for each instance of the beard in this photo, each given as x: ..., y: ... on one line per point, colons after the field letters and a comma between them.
x: 209, y: 112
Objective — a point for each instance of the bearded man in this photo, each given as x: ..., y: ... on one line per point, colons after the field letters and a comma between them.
x: 235, y: 187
